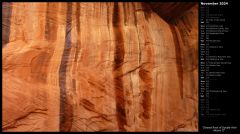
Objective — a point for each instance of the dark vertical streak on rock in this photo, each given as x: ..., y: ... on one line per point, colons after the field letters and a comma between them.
x: 78, y: 17
x: 74, y: 85
x: 51, y: 26
x: 107, y: 15
x: 147, y: 10
x: 78, y: 32
x: 118, y: 60
x: 135, y: 17
x: 116, y: 17
x: 146, y: 104
x: 178, y: 59
x: 125, y: 13
x: 145, y: 71
x: 66, y: 110
x: 145, y: 76
x: 6, y: 22
x: 47, y: 25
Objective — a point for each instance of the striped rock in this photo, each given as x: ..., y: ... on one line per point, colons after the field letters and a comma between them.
x: 99, y: 67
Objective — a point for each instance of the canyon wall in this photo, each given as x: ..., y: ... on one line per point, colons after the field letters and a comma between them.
x: 99, y: 67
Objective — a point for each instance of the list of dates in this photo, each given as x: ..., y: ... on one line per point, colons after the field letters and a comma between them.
x: 215, y: 61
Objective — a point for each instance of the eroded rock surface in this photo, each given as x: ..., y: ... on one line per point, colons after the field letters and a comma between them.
x: 99, y: 67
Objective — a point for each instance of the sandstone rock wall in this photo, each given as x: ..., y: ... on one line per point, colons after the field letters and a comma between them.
x: 98, y: 67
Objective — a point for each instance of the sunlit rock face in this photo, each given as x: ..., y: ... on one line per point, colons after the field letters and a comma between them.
x: 99, y: 67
